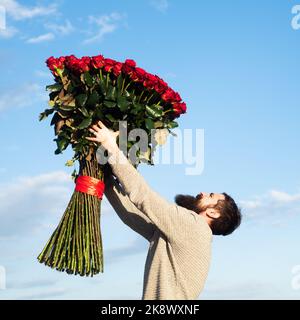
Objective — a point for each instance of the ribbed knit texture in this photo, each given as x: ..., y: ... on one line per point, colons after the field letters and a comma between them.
x: 179, y: 254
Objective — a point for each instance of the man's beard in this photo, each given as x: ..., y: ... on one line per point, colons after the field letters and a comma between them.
x: 189, y: 202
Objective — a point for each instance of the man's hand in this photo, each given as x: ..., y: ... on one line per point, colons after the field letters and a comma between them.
x: 104, y: 136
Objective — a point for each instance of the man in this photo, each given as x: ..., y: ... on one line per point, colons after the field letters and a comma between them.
x: 180, y: 234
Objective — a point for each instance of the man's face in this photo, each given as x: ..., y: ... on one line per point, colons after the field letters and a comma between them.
x: 209, y: 200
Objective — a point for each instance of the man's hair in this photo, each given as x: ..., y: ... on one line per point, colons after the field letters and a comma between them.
x: 230, y: 217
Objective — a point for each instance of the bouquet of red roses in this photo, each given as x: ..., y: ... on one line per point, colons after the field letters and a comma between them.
x: 87, y: 90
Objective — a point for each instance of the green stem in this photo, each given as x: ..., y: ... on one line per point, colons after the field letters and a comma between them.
x: 123, y: 86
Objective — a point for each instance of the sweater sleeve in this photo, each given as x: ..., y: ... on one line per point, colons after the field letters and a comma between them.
x: 126, y: 210
x: 171, y: 219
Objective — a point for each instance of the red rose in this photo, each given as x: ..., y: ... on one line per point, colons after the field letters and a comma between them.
x: 97, y: 62
x: 161, y: 86
x: 130, y: 63
x: 78, y: 65
x: 150, y: 81
x: 71, y: 62
x: 54, y: 63
x: 176, y: 97
x: 108, y: 64
x: 129, y: 67
x: 138, y: 74
x: 117, y: 68
x: 179, y: 108
x: 168, y: 95
x: 60, y: 62
x: 51, y: 63
x: 86, y: 63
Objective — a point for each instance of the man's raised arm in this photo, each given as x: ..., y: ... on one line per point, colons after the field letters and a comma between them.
x: 125, y: 209
x: 169, y: 218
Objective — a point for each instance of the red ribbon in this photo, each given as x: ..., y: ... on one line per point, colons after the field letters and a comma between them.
x: 90, y: 185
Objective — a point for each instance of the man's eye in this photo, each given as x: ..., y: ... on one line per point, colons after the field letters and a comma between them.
x: 211, y: 194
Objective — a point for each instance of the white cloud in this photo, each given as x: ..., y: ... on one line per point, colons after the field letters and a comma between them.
x: 8, y: 32
x: 62, y: 29
x: 27, y: 201
x: 22, y: 96
x: 20, y: 12
x: 105, y: 24
x: 41, y: 38
x: 283, y: 197
x: 35, y: 203
x: 160, y: 5
x: 272, y: 207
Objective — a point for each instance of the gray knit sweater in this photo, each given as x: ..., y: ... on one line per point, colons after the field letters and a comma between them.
x: 180, y: 240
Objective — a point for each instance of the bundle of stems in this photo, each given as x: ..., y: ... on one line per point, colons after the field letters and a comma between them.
x: 76, y: 244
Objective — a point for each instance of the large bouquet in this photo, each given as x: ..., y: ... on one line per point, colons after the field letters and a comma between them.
x: 87, y: 90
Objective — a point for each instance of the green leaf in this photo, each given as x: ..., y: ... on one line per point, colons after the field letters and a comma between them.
x: 93, y: 99
x: 102, y: 87
x: 120, y: 82
x: 81, y: 99
x: 110, y: 117
x: 54, y: 87
x: 69, y: 163
x: 154, y: 111
x: 88, y: 79
x: 172, y: 124
x: 56, y: 117
x: 158, y: 124
x: 66, y: 107
x: 111, y: 93
x: 109, y: 104
x: 64, y: 114
x: 84, y: 111
x: 51, y: 103
x: 62, y: 144
x: 126, y: 94
x: 74, y: 175
x: 85, y: 123
x: 99, y: 114
x: 45, y: 114
x: 149, y: 124
x: 123, y: 104
x: 137, y: 107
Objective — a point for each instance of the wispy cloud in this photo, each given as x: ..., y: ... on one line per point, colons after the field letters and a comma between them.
x: 61, y: 29
x: 20, y: 12
x: 35, y: 203
x: 105, y: 24
x: 160, y: 5
x: 22, y: 96
x: 41, y: 38
x: 28, y: 201
x: 8, y: 32
x: 271, y: 207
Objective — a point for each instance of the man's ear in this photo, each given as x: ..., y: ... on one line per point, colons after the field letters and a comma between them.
x: 214, y: 214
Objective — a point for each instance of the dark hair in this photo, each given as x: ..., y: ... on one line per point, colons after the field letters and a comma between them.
x: 230, y: 217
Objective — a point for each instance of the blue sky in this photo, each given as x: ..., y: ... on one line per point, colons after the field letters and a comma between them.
x: 235, y: 63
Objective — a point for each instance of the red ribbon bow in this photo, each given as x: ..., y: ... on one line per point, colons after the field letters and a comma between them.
x: 90, y: 185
